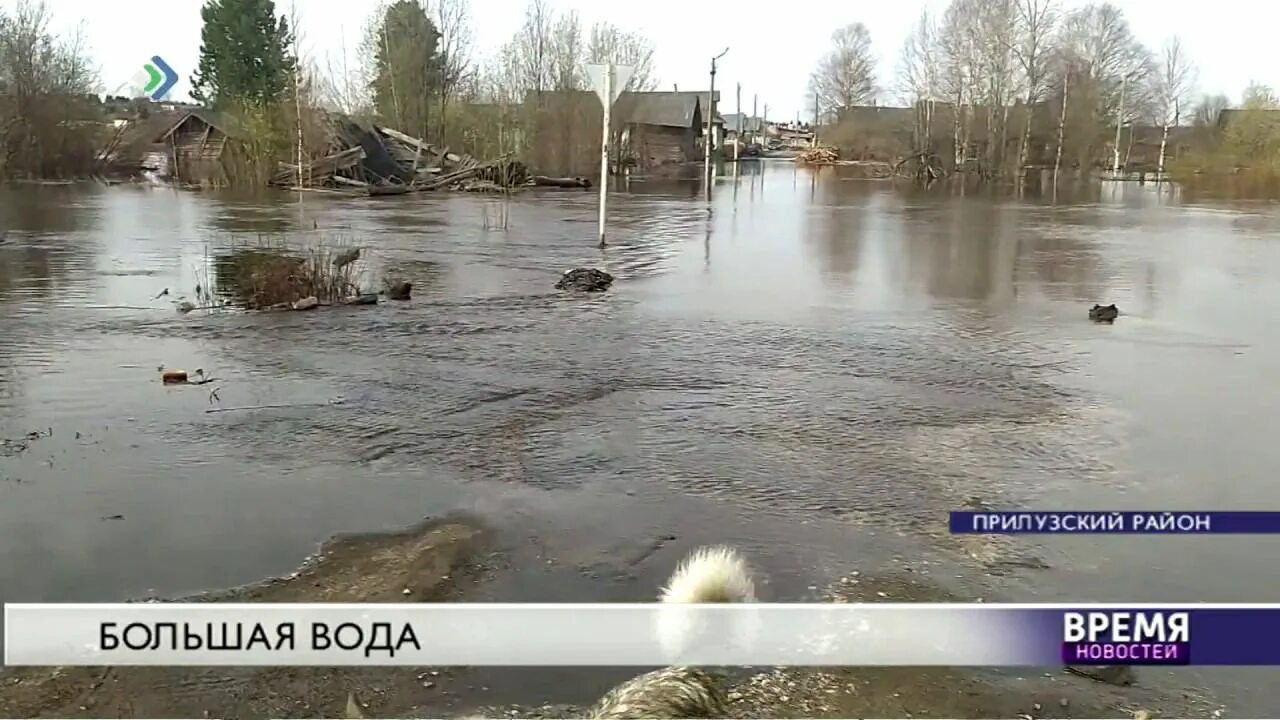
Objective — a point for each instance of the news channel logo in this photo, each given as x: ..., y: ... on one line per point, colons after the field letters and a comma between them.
x: 155, y: 79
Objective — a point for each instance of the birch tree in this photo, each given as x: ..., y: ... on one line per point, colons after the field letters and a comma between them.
x: 956, y: 36
x: 995, y: 22
x: 1107, y: 66
x: 1098, y: 40
x: 845, y: 76
x: 918, y: 79
x: 1173, y: 88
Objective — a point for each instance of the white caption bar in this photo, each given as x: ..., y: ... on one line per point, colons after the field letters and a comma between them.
x: 612, y: 634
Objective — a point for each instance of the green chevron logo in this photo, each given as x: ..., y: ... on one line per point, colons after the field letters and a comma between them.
x: 160, y: 78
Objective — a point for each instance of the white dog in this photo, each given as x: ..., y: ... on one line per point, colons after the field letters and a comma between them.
x: 708, y: 575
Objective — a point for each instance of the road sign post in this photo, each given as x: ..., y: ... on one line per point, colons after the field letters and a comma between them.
x: 607, y: 80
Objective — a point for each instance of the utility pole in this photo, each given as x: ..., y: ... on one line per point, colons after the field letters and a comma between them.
x: 815, y: 119
x: 1115, y: 163
x: 738, y: 138
x: 711, y: 115
x: 764, y: 126
x: 755, y: 118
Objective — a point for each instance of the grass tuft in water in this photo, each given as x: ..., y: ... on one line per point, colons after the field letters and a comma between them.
x: 270, y: 272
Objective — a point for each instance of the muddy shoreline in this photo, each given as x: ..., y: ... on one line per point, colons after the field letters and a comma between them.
x: 452, y: 559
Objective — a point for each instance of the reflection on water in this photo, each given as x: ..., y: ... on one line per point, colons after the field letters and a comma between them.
x: 805, y: 349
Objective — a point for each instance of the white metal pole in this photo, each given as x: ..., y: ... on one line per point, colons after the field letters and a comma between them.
x: 1115, y: 163
x: 706, y: 145
x: 604, y: 147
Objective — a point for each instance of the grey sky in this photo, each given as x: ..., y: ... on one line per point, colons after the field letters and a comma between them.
x: 771, y: 56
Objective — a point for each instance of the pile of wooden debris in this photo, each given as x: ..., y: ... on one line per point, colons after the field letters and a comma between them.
x: 382, y: 161
x: 818, y: 156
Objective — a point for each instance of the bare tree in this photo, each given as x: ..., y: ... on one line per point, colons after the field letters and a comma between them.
x: 958, y: 69
x: 1098, y: 41
x: 46, y: 87
x: 567, y: 52
x: 500, y: 81
x: 996, y: 23
x: 609, y: 43
x: 453, y: 21
x: 1173, y: 87
x: 918, y: 62
x: 341, y: 84
x: 1208, y: 110
x: 845, y: 77
x: 918, y: 79
x: 1108, y: 68
x: 532, y: 50
x: 1036, y: 21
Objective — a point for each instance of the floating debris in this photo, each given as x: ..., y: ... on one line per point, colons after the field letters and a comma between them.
x: 399, y: 289
x: 585, y: 280
x: 1104, y: 313
x: 173, y: 377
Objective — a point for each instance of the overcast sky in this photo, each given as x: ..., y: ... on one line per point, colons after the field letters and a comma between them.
x: 770, y: 56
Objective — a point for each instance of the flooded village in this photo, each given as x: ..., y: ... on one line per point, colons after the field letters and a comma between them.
x: 310, y: 335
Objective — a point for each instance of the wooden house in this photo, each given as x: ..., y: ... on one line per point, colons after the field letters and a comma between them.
x: 197, y: 145
x: 186, y: 146
x: 1140, y: 146
x: 659, y: 128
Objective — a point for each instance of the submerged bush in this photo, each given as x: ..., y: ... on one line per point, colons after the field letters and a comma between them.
x: 270, y: 274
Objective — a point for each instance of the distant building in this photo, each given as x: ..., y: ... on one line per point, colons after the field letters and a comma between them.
x: 751, y: 128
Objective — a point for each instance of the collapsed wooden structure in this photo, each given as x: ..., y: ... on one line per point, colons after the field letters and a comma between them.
x: 185, y: 145
x: 189, y: 147
x: 384, y: 161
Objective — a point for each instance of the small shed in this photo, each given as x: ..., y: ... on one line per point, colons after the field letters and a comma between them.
x: 135, y: 145
x: 197, y: 143
x: 185, y: 145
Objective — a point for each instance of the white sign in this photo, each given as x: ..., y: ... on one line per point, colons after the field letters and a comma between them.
x: 621, y: 76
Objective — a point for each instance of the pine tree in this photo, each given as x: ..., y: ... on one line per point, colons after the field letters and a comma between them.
x: 245, y: 53
x: 406, y: 65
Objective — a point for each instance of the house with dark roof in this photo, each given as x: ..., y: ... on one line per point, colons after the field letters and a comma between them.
x: 658, y: 128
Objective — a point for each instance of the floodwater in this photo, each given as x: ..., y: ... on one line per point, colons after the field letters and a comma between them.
x: 814, y: 368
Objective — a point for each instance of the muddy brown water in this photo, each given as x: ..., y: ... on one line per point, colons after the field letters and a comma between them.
x: 814, y: 368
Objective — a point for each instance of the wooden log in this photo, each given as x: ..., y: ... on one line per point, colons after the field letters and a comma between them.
x: 543, y: 181
x: 323, y: 167
x: 338, y: 179
x: 450, y: 178
x: 421, y: 145
x: 387, y: 190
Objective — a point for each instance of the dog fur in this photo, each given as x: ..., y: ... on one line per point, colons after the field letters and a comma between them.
x: 708, y: 575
